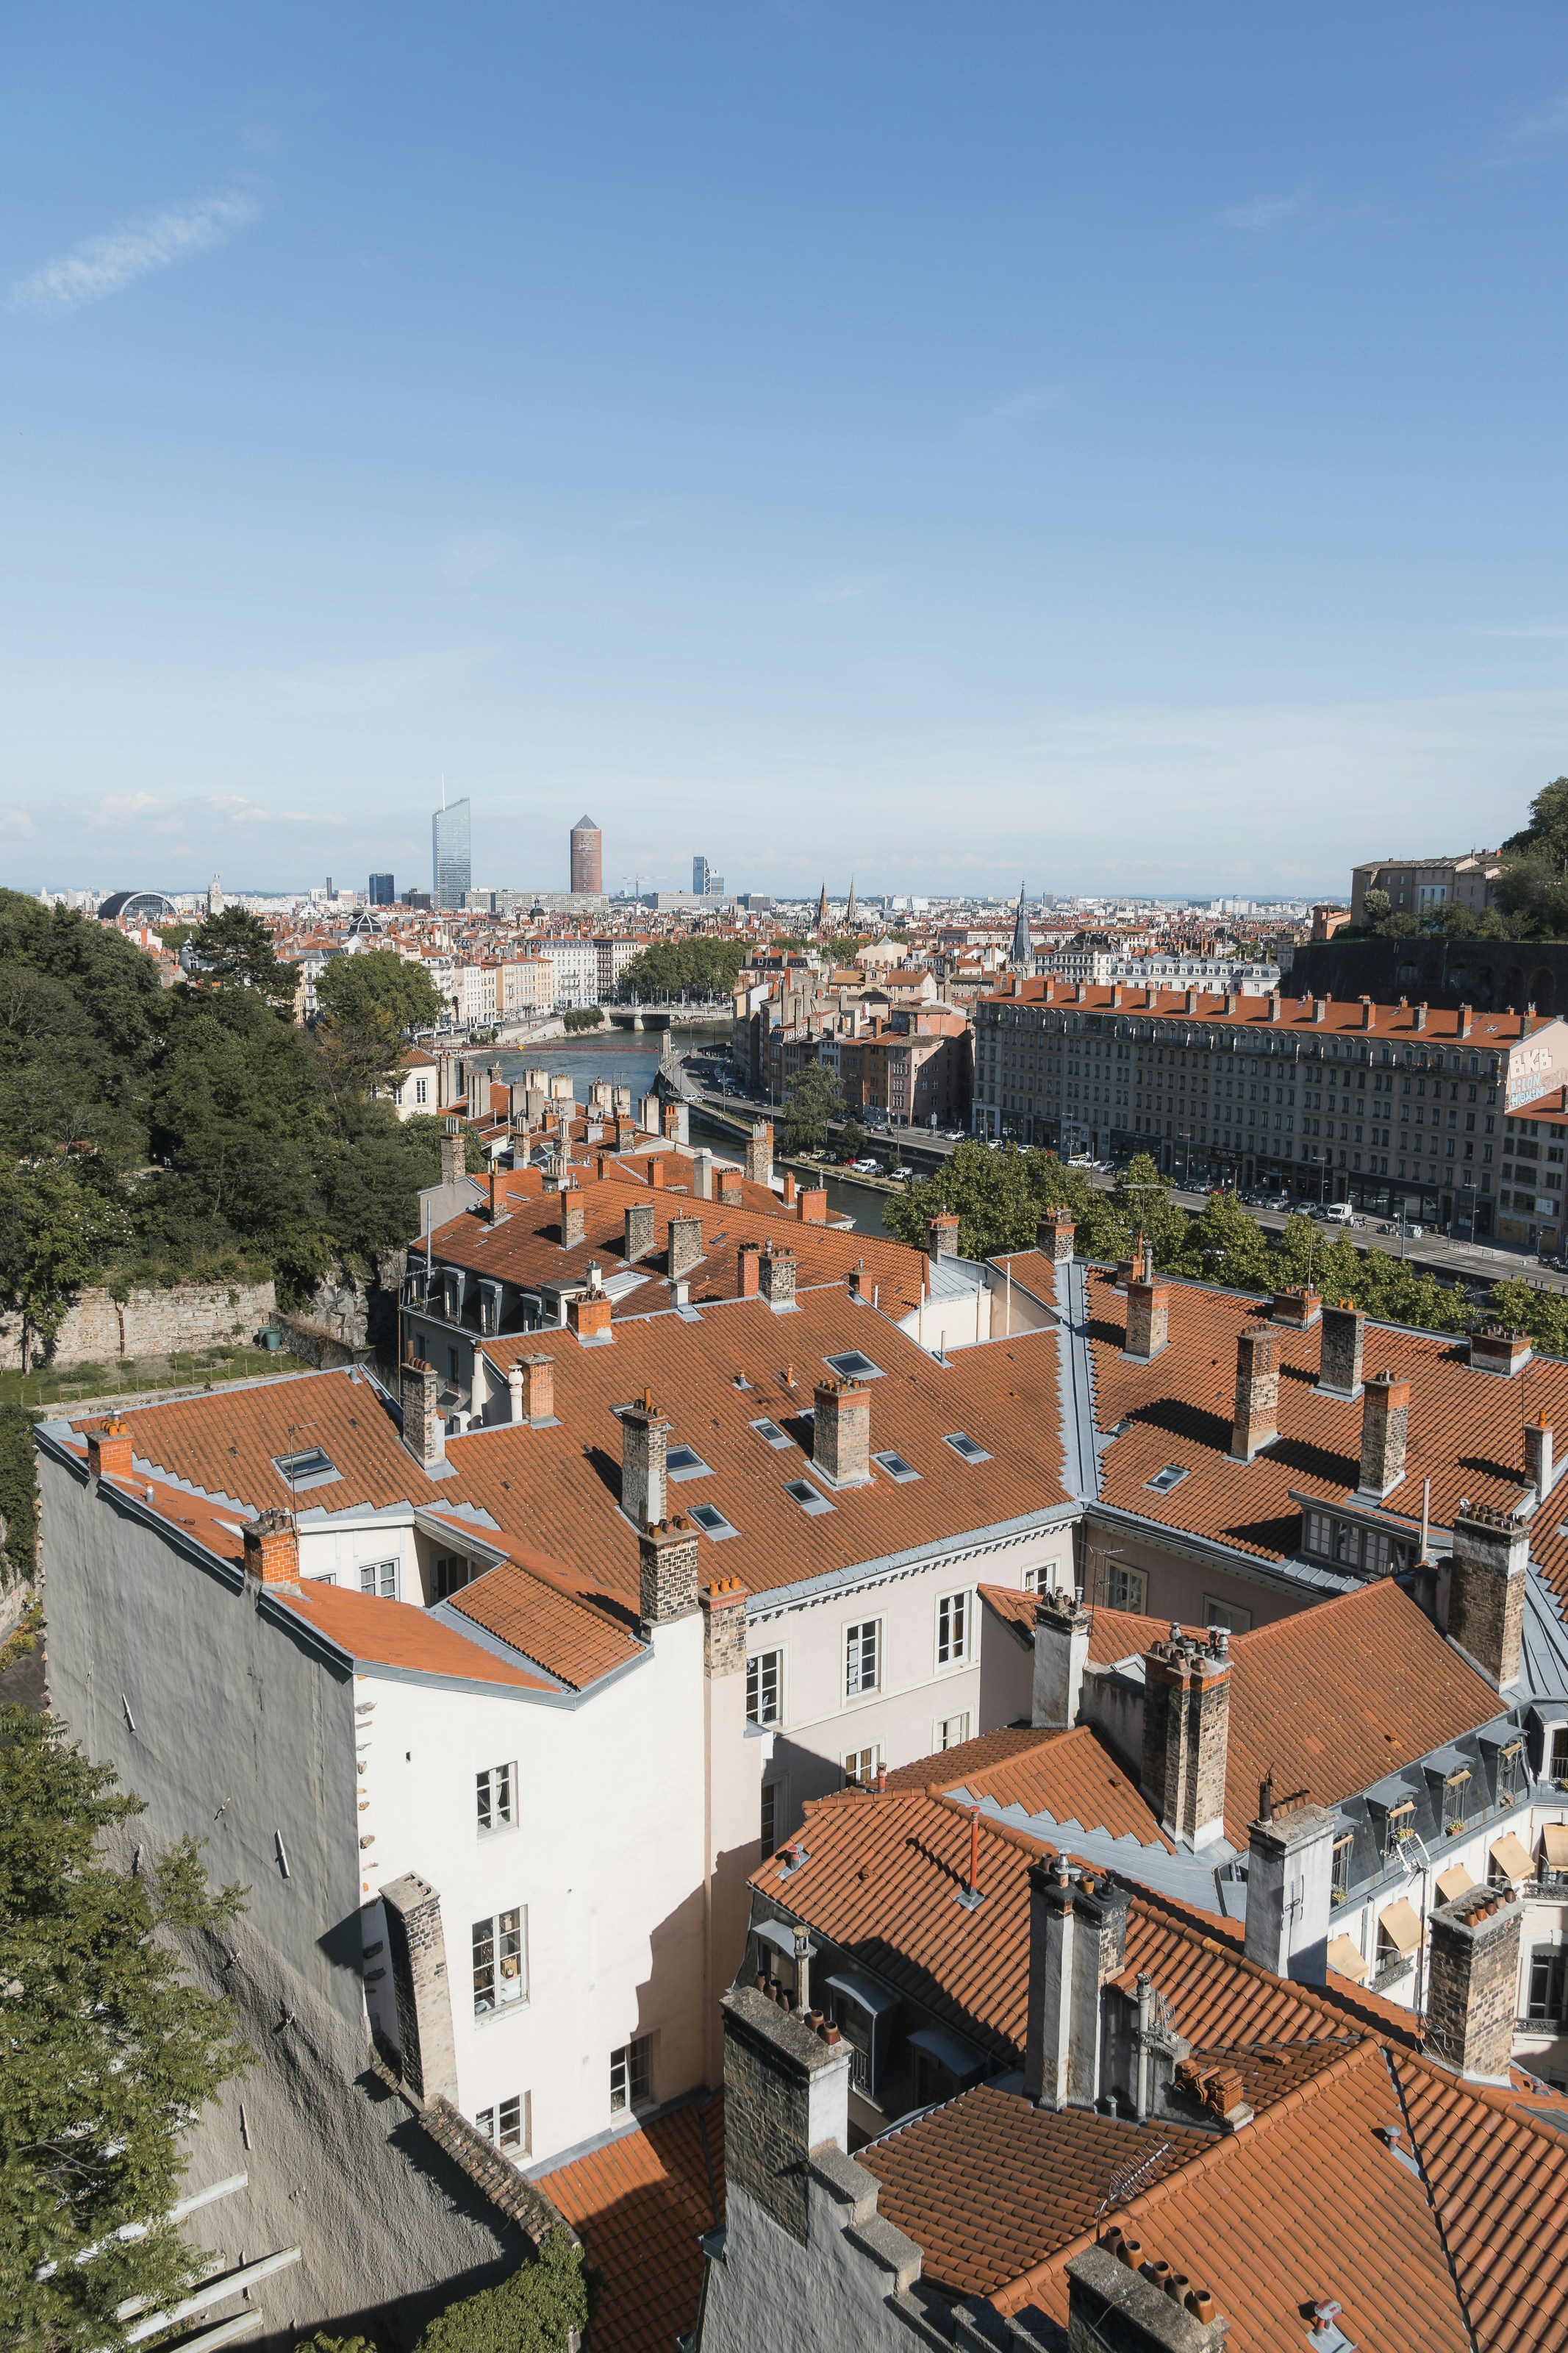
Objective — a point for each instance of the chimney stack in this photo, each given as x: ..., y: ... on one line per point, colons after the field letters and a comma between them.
x: 1077, y: 1945
x: 942, y: 1235
x: 789, y: 1189
x: 1472, y: 1990
x: 1256, y: 1421
x: 532, y: 1384
x: 1148, y: 1315
x: 760, y: 1153
x: 1115, y: 2298
x: 109, y: 1449
x: 811, y: 1205
x: 1061, y: 1651
x: 453, y: 1154
x: 1538, y: 1463
x: 841, y: 1433
x: 589, y: 1313
x: 1055, y: 1236
x: 1290, y: 1890
x: 1385, y: 1423
x: 1495, y: 1348
x: 748, y: 1276
x: 1186, y: 1729
x: 574, y: 1217
x: 666, y: 1573
x: 1485, y: 1589
x: 1298, y: 1310
x: 723, y: 1606
x: 645, y: 1444
x: 732, y: 1190
x: 777, y: 1268
x: 1340, y: 1350
x: 786, y: 2099
x: 703, y: 1176
x: 424, y: 1431
x: 272, y: 1550
x: 685, y: 1246
x: 640, y: 1229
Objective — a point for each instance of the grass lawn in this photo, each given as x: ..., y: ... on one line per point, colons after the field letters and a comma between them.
x: 132, y: 1376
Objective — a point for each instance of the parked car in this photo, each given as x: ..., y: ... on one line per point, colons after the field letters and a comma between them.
x: 1337, y: 1213
x: 867, y: 1167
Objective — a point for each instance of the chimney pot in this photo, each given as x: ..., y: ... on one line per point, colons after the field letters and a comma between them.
x: 1257, y: 1420
x: 272, y: 1549
x: 109, y: 1448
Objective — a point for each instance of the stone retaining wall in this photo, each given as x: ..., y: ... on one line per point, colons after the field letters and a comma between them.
x: 150, y: 1322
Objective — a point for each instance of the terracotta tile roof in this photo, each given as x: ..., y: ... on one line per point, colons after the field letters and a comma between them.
x: 1113, y: 1634
x: 537, y: 1619
x: 1306, y: 2203
x: 1073, y: 1778
x: 1042, y: 2174
x: 948, y: 1766
x: 640, y: 2204
x: 1343, y: 1017
x: 1466, y: 1426
x: 397, y: 1634
x: 1335, y: 1697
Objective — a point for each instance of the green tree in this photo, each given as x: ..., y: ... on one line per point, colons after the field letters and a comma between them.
x: 583, y: 1017
x: 812, y: 1098
x: 852, y: 1140
x: 237, y: 948
x: 378, y: 991
x: 1377, y: 907
x: 53, y: 1233
x: 702, y: 967
x: 1224, y: 1245
x: 534, y: 2311
x: 1000, y: 1198
x: 1139, y: 1202
x: 109, y: 2053
x: 18, y: 1496
x: 1542, y: 1313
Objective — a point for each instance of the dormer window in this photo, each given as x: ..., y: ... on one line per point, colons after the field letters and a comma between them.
x: 1511, y: 1774
x: 1401, y: 1824
x: 1344, y: 1848
x: 1456, y: 1801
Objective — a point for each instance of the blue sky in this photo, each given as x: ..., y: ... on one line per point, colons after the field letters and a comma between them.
x: 1123, y: 445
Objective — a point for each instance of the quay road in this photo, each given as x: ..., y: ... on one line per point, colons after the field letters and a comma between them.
x: 1477, y: 1264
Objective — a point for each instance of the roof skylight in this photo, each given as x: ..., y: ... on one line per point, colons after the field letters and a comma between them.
x: 970, y: 1448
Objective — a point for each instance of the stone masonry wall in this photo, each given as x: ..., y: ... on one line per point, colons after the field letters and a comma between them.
x: 150, y: 1322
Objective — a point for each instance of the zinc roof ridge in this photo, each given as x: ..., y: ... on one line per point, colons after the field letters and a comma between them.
x: 1204, y: 2161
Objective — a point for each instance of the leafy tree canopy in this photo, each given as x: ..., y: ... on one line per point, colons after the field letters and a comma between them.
x: 379, y: 992
x: 583, y: 1017
x: 813, y: 1097
x: 236, y: 947
x: 701, y: 966
x: 109, y: 2053
x: 534, y: 2311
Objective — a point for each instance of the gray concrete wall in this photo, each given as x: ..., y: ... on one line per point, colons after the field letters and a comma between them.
x: 225, y: 1718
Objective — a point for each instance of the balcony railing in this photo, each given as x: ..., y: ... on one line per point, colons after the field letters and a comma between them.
x: 1391, y: 1972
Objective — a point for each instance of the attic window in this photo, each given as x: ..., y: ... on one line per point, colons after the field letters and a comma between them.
x: 853, y: 1366
x: 1401, y: 1821
x: 685, y: 1462
x: 711, y: 1521
x: 1164, y: 1481
x: 971, y: 1450
x: 808, y: 1496
x: 770, y: 1433
x: 896, y: 1467
x: 313, y: 1468
x: 1456, y: 1801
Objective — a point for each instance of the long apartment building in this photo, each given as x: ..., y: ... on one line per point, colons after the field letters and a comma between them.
x: 1395, y: 1108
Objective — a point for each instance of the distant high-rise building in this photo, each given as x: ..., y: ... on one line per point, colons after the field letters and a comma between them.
x: 701, y: 877
x: 382, y: 891
x: 587, y: 855
x: 214, y: 897
x: 451, y: 870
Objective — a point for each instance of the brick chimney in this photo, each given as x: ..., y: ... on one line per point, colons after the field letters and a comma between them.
x: 1340, y: 1350
x: 1077, y: 1945
x: 1256, y: 1420
x: 1115, y: 2298
x: 789, y: 1189
x: 841, y: 1433
x: 1055, y: 1236
x: 530, y: 1382
x: 1289, y: 1889
x: 1495, y: 1348
x: 109, y: 1449
x: 724, y: 1605
x: 640, y: 1229
x: 496, y: 1192
x: 777, y: 1268
x: 942, y: 1235
x: 667, y: 1572
x: 1472, y: 1988
x: 272, y: 1550
x: 685, y: 1246
x: 731, y: 1190
x: 1148, y: 1316
x: 453, y: 1156
x: 573, y: 1216
x: 656, y: 1171
x: 1187, y: 1727
x: 645, y: 1443
x: 1539, y: 1468
x: 424, y: 1431
x: 1061, y: 1651
x: 811, y: 1205
x: 748, y: 1277
x: 1485, y: 1589
x: 589, y: 1315
x: 760, y: 1153
x: 1298, y: 1310
x: 1384, y: 1422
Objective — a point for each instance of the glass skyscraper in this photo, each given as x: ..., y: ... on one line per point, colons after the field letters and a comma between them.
x: 451, y: 872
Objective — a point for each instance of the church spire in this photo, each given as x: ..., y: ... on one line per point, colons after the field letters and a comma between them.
x: 850, y: 914
x: 1023, y: 946
x: 822, y: 911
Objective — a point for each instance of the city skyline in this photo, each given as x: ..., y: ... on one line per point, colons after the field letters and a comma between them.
x: 1180, y: 441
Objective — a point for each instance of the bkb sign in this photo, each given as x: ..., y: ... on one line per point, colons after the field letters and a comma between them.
x: 1537, y: 1064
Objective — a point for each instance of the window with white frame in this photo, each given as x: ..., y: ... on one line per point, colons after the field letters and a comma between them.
x: 764, y: 1687
x: 1125, y: 1589
x: 952, y: 1731
x: 500, y: 1960
x: 631, y: 2075
x: 1031, y: 1580
x: 952, y: 1616
x: 863, y: 1764
x: 378, y: 1577
x: 507, y: 2126
x: 862, y: 1657
x: 495, y: 1791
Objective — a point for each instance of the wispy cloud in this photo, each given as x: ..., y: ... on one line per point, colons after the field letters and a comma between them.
x: 467, y: 558
x: 170, y: 819
x: 1264, y: 214
x: 104, y: 265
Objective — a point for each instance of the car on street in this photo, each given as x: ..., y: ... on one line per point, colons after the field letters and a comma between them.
x: 867, y: 1167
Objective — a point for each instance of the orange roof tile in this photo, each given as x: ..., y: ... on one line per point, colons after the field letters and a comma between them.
x: 947, y: 1766
x: 397, y: 1634
x: 1073, y: 1778
x: 640, y: 2204
x: 1343, y: 1016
